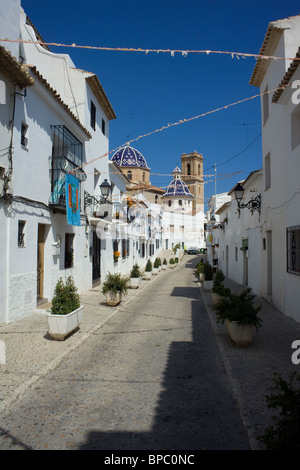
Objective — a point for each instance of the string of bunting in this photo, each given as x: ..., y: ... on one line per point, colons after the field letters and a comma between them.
x: 181, y: 121
x: 184, y: 53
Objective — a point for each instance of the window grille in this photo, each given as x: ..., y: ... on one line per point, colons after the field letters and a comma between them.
x: 21, y: 233
x: 293, y: 249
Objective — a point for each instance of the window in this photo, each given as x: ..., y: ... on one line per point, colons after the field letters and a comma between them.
x: 103, y: 127
x: 169, y: 203
x: 265, y: 105
x: 143, y: 250
x: 69, y: 250
x: 293, y: 250
x: 180, y: 202
x: 129, y: 175
x: 188, y: 169
x: 21, y: 233
x: 93, y: 116
x: 267, y: 171
x: 236, y: 253
x: 144, y: 176
x: 24, y: 135
x: 156, y: 198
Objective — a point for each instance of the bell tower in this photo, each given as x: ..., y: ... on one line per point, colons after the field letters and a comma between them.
x: 192, y: 175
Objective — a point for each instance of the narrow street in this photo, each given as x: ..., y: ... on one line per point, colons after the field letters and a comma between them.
x: 151, y: 378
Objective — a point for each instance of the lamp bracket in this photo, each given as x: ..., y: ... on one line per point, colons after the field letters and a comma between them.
x: 253, y: 204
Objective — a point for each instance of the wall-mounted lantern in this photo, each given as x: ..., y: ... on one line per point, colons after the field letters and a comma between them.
x: 253, y: 204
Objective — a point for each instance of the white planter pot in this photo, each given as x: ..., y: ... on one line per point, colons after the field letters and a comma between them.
x: 201, y: 277
x: 171, y: 266
x: 60, y: 326
x: 164, y: 267
x: 241, y: 335
x: 113, y: 299
x: 208, y: 285
x: 155, y: 271
x: 147, y: 276
x: 135, y: 282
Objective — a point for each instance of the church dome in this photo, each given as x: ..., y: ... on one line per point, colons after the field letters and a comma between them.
x: 177, y: 187
x: 129, y: 157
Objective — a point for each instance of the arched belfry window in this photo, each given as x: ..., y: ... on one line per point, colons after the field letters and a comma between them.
x: 199, y: 169
x: 188, y: 169
x: 144, y: 176
x: 129, y: 175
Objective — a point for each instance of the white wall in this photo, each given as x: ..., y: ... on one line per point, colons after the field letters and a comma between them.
x: 281, y: 200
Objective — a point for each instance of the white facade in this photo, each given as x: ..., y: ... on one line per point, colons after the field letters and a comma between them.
x: 55, y: 121
x: 236, y: 241
x: 281, y: 166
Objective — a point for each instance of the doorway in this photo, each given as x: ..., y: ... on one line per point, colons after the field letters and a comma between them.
x: 96, y: 258
x: 40, y: 261
x: 269, y: 264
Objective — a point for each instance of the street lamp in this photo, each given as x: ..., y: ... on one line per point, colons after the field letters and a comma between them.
x: 89, y: 200
x: 253, y: 204
x: 105, y: 189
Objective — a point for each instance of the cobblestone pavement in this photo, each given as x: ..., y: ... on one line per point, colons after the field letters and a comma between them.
x: 150, y: 377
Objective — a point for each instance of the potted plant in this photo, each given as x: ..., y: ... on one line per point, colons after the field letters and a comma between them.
x: 200, y: 271
x: 218, y: 289
x: 239, y: 314
x: 66, y: 312
x: 114, y: 287
x: 116, y: 255
x: 284, y: 396
x: 172, y: 263
x: 148, y: 270
x: 176, y: 260
x: 208, y: 277
x: 165, y: 264
x: 156, y: 265
x: 135, y: 277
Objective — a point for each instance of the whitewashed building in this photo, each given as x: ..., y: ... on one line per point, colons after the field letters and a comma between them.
x: 54, y: 127
x: 181, y: 224
x: 280, y: 114
x: 236, y: 236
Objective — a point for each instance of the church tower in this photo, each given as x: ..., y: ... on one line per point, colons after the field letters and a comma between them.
x: 192, y: 175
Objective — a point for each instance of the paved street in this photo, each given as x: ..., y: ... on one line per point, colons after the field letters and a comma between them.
x: 150, y: 378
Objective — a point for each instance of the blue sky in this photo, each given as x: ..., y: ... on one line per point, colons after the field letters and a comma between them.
x: 148, y: 91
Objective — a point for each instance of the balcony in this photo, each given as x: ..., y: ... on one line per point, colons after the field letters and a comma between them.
x: 67, y: 158
x: 60, y: 167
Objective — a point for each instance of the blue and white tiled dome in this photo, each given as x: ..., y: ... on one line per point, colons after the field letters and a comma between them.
x: 177, y: 187
x: 129, y: 157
